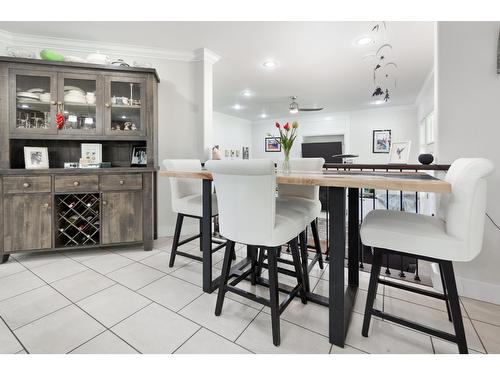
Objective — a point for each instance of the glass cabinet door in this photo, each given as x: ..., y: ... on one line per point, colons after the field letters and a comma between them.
x: 80, y: 102
x: 33, y: 102
x: 124, y: 103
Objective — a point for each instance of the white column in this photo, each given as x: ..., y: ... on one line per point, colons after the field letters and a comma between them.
x: 206, y: 59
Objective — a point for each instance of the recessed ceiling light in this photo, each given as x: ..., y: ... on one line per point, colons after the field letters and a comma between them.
x: 247, y: 93
x: 263, y: 115
x: 124, y: 117
x: 364, y: 40
x: 24, y: 106
x: 378, y: 102
x: 270, y: 64
x: 237, y: 106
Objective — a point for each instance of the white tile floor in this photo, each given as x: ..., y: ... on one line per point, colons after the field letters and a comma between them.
x: 130, y: 301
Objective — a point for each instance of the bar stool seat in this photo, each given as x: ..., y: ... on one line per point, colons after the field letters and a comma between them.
x: 309, y: 207
x: 410, y: 233
x: 192, y: 205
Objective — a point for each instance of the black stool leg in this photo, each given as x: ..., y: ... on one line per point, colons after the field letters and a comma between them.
x: 253, y: 255
x: 317, y: 243
x: 259, y: 262
x: 274, y: 294
x: 294, y: 246
x: 456, y: 313
x: 305, y: 260
x: 201, y: 230
x: 175, y: 243
x: 445, y: 293
x: 372, y: 290
x: 224, y: 277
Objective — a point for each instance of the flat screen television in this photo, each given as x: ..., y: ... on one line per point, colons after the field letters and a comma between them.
x: 323, y: 150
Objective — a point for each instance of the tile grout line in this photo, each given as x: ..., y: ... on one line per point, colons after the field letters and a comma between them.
x: 189, y: 338
x: 15, y: 336
x: 474, y: 327
x: 78, y: 307
x: 99, y: 334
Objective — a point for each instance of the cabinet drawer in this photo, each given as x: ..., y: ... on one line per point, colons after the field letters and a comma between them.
x: 121, y: 182
x: 76, y: 183
x: 27, y: 184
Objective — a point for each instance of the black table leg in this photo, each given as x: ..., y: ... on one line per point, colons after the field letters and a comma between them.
x: 206, y: 236
x: 336, y: 212
x: 353, y: 231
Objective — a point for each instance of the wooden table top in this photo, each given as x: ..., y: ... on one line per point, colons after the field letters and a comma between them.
x: 406, y: 181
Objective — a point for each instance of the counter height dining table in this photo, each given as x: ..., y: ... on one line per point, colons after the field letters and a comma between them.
x: 343, y: 192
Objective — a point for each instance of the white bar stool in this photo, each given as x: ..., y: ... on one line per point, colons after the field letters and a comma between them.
x: 455, y: 236
x: 186, y: 199
x: 306, y: 200
x: 248, y: 214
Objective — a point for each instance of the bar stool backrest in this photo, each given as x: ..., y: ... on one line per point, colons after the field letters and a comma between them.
x: 302, y: 165
x: 464, y: 208
x: 245, y: 199
x: 183, y: 187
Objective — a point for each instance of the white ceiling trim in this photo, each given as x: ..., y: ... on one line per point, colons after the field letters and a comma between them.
x: 86, y: 46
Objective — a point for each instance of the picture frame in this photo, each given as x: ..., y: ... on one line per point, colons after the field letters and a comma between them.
x: 139, y: 156
x: 36, y: 158
x: 272, y: 145
x: 91, y: 153
x: 381, y: 141
x: 399, y: 152
x: 245, y: 152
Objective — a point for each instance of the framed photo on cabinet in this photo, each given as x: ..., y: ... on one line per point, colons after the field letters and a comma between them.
x: 36, y: 158
x: 139, y: 156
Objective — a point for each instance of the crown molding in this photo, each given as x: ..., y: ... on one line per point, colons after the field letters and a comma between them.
x: 84, y: 47
x: 204, y: 54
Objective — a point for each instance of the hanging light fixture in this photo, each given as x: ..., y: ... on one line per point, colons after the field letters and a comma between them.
x: 294, y: 107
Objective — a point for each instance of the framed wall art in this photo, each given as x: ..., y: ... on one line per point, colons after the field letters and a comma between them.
x: 381, y: 142
x: 272, y: 144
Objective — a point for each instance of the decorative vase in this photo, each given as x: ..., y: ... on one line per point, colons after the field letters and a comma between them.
x: 425, y: 159
x: 285, y: 167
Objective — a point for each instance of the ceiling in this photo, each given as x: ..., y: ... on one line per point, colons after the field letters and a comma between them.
x: 319, y: 62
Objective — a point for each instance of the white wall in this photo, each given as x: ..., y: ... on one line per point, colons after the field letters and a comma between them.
x: 231, y: 133
x: 468, y: 94
x: 425, y: 105
x: 357, y: 128
x: 402, y: 121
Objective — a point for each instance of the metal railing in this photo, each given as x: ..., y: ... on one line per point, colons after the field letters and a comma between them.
x: 371, y: 199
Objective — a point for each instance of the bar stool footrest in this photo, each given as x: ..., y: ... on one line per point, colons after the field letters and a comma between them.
x: 419, y: 327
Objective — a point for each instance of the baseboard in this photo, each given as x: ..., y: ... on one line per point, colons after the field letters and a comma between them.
x: 478, y: 290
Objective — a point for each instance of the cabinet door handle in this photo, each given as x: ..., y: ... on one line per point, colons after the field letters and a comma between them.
x: 59, y: 103
x: 122, y: 182
x: 26, y: 185
x: 53, y: 102
x: 76, y: 183
x: 104, y: 203
x: 107, y: 105
x: 45, y: 205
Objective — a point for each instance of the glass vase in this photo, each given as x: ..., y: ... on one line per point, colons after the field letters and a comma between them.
x: 285, y: 167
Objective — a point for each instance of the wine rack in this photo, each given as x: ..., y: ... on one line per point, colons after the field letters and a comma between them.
x: 78, y: 220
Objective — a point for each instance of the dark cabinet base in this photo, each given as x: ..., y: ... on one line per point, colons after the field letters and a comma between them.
x: 118, y: 212
x: 5, y: 258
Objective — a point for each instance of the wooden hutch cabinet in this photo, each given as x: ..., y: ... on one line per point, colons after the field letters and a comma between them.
x: 58, y: 208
